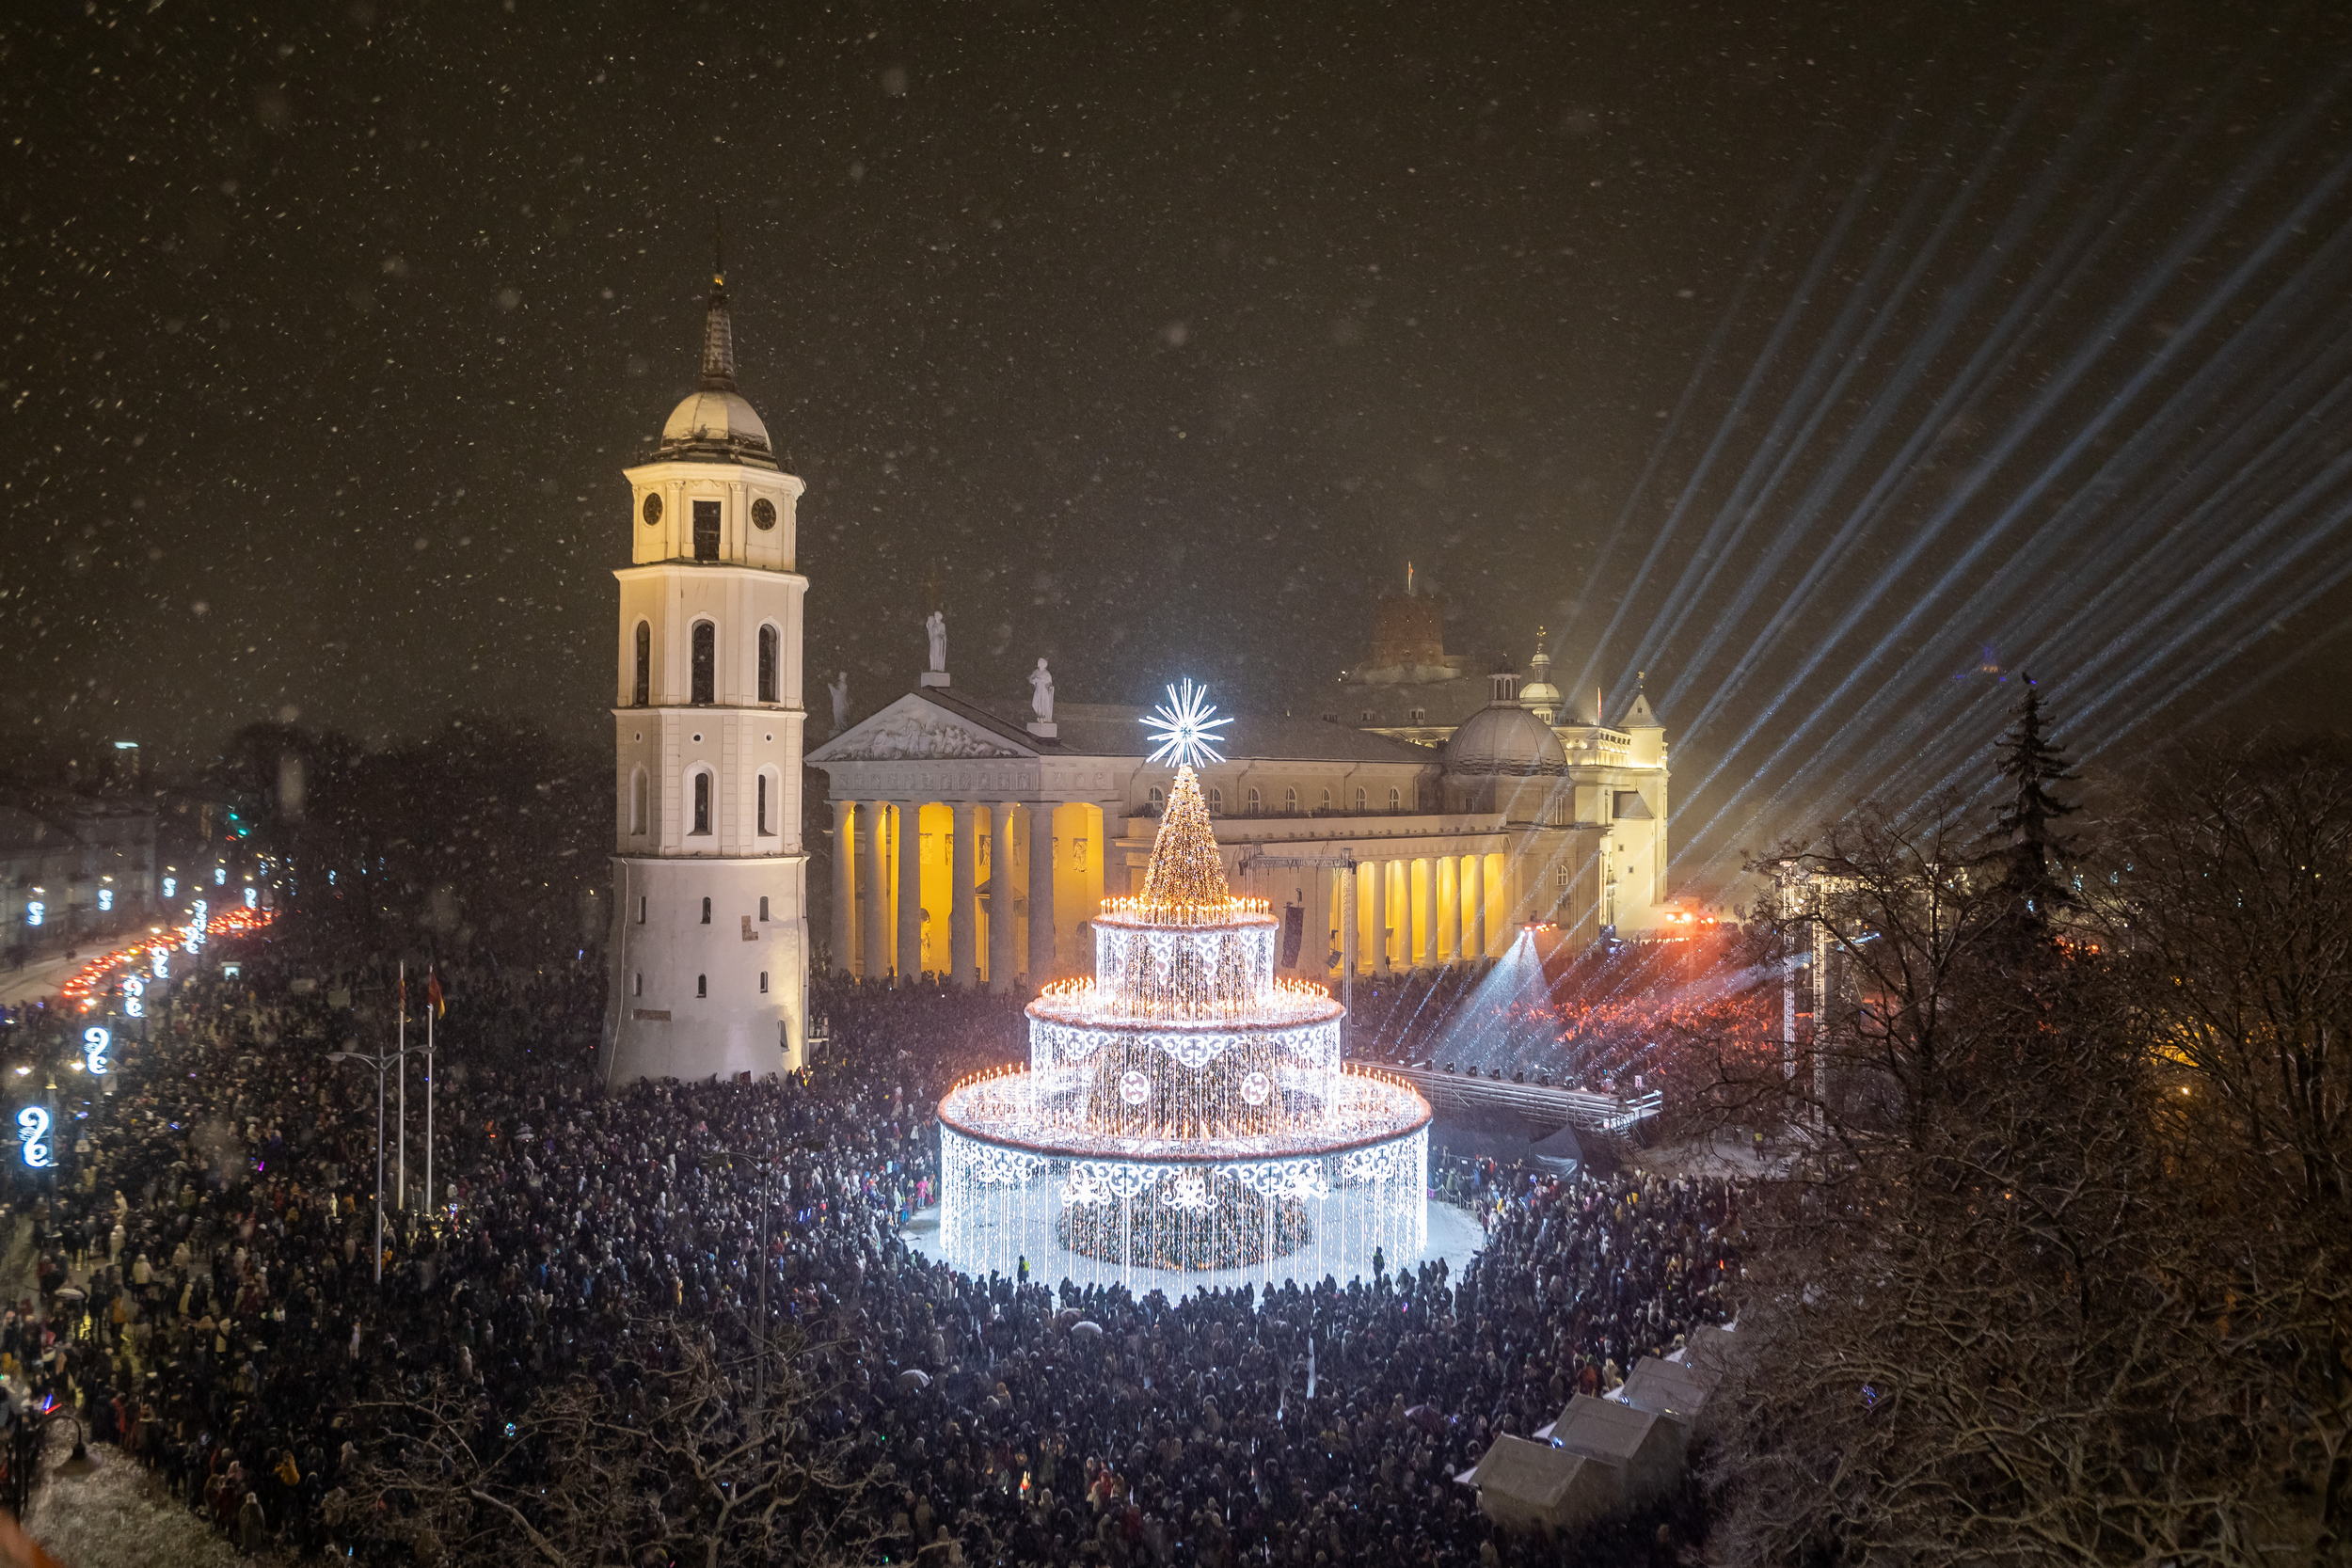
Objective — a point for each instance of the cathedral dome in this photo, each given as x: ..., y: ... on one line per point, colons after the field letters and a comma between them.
x: 1504, y: 737
x: 716, y: 421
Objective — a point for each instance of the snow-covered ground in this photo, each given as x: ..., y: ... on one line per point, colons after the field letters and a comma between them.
x: 118, y: 1517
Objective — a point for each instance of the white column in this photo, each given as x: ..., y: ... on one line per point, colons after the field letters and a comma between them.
x: 1446, y: 935
x: 1427, y: 952
x: 844, y: 885
x: 909, y: 842
x: 1473, y: 901
x: 1003, y: 956
x: 1377, y: 915
x: 964, y: 926
x: 874, y: 960
x: 1044, y: 935
x: 1349, y: 949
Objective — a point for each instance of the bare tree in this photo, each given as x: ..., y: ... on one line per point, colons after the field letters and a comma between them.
x: 676, y: 1451
x: 2234, y: 904
x: 2005, y: 1314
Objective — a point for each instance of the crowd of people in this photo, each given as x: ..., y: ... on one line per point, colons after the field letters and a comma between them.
x: 207, y: 1296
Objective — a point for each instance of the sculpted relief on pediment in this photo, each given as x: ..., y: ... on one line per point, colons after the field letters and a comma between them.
x: 916, y: 736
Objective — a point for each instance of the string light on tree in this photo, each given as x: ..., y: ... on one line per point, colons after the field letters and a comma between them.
x: 1184, y: 1110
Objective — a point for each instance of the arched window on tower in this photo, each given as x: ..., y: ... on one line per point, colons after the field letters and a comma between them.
x: 637, y: 802
x: 705, y: 912
x: 641, y: 687
x: 764, y: 828
x: 767, y: 665
x: 702, y: 802
x: 705, y: 663
x: 705, y: 530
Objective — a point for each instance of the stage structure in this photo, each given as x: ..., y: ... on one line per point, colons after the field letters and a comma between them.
x: 1183, y: 1111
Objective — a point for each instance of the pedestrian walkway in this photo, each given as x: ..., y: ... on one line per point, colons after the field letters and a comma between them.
x: 40, y: 978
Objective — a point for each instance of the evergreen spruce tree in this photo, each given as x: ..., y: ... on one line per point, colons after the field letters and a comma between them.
x: 2025, y: 849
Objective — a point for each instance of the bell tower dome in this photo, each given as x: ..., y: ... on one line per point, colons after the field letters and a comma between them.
x: 710, y: 950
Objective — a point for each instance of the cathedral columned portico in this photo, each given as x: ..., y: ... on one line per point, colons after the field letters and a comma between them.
x: 971, y: 843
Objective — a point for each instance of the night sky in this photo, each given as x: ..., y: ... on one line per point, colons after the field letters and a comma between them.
x: 1830, y: 363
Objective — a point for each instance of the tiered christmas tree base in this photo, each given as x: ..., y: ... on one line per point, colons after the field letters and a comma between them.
x: 1183, y: 1113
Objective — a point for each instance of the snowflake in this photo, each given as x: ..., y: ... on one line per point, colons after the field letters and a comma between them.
x: 1182, y: 727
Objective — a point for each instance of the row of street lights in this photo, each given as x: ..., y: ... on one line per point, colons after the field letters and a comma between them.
x: 384, y: 1062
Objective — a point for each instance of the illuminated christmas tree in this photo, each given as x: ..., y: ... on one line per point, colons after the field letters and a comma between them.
x: 1184, y: 1109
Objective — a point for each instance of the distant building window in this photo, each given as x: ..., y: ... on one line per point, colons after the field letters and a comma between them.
x: 1157, y: 797
x: 705, y: 530
x: 767, y: 664
x: 1326, y: 799
x: 1290, y: 801
x: 1253, y: 799
x: 640, y: 687
x: 702, y: 802
x: 763, y: 805
x: 1217, y: 800
x: 702, y: 985
x: 1395, y: 799
x: 1560, y: 877
x: 763, y: 982
x: 1421, y: 716
x: 1365, y: 718
x: 705, y: 663
x: 763, y: 908
x: 705, y: 912
x: 1362, y: 801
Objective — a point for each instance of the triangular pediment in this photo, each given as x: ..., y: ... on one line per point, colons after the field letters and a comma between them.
x: 915, y: 728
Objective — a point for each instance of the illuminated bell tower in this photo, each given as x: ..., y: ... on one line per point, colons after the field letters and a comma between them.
x: 710, y: 950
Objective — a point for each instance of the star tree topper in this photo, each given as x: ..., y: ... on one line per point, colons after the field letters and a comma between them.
x: 1182, y: 727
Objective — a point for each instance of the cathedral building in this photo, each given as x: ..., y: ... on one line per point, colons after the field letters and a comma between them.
x: 1421, y: 823
x: 709, y: 948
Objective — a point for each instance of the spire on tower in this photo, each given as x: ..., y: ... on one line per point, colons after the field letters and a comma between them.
x: 718, y: 326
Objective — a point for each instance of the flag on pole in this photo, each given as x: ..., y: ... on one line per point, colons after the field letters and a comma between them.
x: 433, y: 1000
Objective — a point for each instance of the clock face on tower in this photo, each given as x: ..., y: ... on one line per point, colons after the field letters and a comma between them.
x: 763, y: 514
x: 652, y: 510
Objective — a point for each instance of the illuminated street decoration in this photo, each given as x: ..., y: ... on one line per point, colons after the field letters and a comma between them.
x: 220, y: 876
x: 34, y: 911
x: 32, y: 1131
x: 96, y: 1041
x: 171, y: 887
x: 1184, y: 728
x: 252, y: 897
x: 105, y: 900
x: 1184, y: 1112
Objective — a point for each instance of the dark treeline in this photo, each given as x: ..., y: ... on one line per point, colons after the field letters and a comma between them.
x: 487, y: 835
x: 2063, y: 1273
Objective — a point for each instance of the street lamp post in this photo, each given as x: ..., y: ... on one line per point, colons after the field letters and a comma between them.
x: 383, y: 1062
